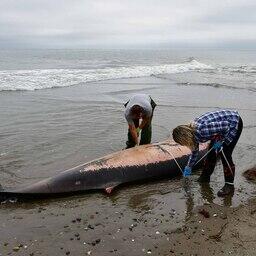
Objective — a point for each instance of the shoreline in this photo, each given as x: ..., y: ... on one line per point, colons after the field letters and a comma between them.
x: 51, y: 130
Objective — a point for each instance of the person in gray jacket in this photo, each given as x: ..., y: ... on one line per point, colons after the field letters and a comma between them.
x: 138, y: 114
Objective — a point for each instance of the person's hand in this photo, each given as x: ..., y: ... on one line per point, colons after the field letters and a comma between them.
x: 187, y: 171
x: 217, y: 145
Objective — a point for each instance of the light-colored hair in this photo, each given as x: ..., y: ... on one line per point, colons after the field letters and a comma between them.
x: 185, y: 135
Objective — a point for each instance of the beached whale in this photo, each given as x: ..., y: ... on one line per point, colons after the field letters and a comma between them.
x: 152, y: 161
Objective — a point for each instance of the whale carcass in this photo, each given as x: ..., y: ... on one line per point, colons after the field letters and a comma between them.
x: 151, y: 161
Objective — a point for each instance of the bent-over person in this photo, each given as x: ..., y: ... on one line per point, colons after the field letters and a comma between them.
x: 223, y: 129
x: 138, y: 114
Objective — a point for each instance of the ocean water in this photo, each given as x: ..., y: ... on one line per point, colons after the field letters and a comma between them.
x: 61, y: 108
x: 42, y: 69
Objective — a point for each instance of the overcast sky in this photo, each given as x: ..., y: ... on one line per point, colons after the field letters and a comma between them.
x: 113, y: 23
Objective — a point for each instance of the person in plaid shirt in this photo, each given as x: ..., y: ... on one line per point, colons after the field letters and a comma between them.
x: 223, y: 129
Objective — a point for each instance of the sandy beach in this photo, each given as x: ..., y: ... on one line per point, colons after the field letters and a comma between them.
x: 69, y: 186
x: 76, y: 226
x: 152, y: 218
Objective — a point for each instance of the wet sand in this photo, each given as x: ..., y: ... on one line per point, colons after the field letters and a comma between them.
x: 156, y: 218
x: 76, y: 226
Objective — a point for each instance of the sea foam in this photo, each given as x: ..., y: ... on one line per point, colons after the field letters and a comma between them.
x: 13, y: 80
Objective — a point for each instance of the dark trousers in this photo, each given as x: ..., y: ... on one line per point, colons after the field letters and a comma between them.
x: 146, y: 132
x: 228, y: 168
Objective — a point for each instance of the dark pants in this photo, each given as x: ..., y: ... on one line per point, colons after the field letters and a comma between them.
x: 229, y: 168
x: 146, y: 132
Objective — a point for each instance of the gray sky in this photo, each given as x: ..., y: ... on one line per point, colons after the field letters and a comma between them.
x: 121, y: 23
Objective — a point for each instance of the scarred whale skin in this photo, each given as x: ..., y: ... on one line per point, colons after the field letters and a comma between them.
x: 151, y: 161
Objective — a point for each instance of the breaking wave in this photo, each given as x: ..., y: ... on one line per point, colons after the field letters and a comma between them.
x: 216, y: 85
x: 13, y: 80
x: 244, y: 69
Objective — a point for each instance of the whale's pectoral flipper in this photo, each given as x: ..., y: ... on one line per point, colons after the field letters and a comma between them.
x: 111, y: 186
x: 109, y: 190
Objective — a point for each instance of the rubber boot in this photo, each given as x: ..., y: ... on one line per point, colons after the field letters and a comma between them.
x: 229, y: 174
x: 228, y: 188
x: 130, y: 143
x: 146, y: 134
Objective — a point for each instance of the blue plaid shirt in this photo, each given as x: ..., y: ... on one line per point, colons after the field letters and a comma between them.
x: 216, y: 125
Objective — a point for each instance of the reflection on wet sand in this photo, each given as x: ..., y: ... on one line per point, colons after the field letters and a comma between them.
x: 142, y: 201
x: 207, y: 192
